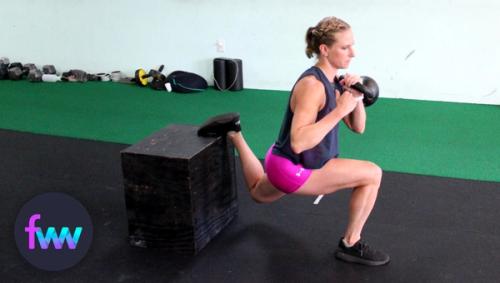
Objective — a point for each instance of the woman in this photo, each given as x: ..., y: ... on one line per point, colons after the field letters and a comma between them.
x: 304, y: 160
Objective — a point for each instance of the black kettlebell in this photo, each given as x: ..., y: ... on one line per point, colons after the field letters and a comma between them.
x: 368, y: 87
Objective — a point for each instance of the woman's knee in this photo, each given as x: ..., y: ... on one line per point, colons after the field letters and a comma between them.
x: 264, y: 192
x: 262, y: 199
x: 254, y: 193
x: 259, y: 199
x: 374, y: 173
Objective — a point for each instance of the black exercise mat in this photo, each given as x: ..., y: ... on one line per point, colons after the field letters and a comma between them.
x: 435, y: 229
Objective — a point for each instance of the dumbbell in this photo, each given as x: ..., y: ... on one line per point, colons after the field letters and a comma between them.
x: 35, y: 75
x: 49, y: 74
x: 17, y: 70
x: 75, y: 75
x: 49, y: 69
x: 14, y: 70
x: 368, y: 87
x: 141, y: 78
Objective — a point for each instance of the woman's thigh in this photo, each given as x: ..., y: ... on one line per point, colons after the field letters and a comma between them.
x: 340, y: 173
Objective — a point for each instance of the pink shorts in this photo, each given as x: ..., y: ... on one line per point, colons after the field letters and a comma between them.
x: 284, y: 174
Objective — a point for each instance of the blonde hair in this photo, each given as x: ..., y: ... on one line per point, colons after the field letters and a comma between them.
x: 323, y: 33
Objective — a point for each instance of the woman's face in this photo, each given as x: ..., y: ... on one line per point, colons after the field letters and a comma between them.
x: 341, y: 52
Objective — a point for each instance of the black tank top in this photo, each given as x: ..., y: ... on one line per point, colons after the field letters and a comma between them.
x: 328, y: 148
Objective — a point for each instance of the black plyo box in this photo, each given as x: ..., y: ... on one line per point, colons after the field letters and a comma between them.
x: 180, y: 189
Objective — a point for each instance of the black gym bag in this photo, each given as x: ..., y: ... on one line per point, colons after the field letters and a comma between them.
x: 186, y: 82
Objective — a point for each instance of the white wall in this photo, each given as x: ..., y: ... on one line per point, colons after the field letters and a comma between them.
x: 432, y: 50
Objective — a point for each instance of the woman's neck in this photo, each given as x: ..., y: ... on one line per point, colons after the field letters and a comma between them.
x: 327, y: 69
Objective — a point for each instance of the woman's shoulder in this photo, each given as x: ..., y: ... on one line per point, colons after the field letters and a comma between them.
x: 310, y: 91
x: 310, y: 82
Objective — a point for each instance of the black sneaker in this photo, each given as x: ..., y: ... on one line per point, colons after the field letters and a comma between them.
x: 219, y: 125
x: 361, y: 253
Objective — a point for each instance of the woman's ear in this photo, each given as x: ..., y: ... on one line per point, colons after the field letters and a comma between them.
x: 323, y: 50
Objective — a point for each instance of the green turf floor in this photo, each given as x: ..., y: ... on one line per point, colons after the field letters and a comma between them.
x: 432, y: 138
